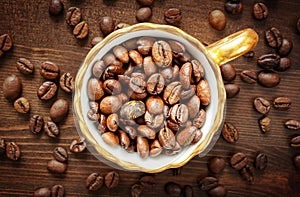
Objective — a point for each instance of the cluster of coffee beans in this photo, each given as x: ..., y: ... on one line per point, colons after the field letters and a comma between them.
x: 96, y: 180
x: 10, y: 149
x: 5, y: 43
x: 144, y: 183
x: 58, y: 164
x: 55, y: 190
x: 175, y: 189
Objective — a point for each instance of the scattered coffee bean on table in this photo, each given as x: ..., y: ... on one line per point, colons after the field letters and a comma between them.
x: 231, y: 89
x: 285, y: 48
x: 60, y: 154
x: 78, y: 145
x: 217, y: 19
x: 230, y: 133
x: 273, y: 37
x: 284, y: 64
x: 147, y: 181
x: 56, y: 7
x: 13, y: 151
x: 111, y: 179
x: 260, y: 11
x: 295, y: 142
x: 55, y: 166
x: 22, y: 105
x: 249, y: 76
x: 261, y: 161
x: 282, y: 103
x: 51, y: 129
x: 234, y: 6
x: 292, y: 124
x: 57, y: 191
x: 49, y: 70
x: 59, y: 110
x: 173, y: 189
x: 107, y: 25
x: 5, y: 42
x: 216, y: 165
x: 12, y: 87
x: 2, y: 146
x: 73, y: 16
x: 219, y: 191
x: 47, y: 90
x: 66, y: 82
x: 81, y: 30
x: 247, y: 173
x: 143, y: 14
x: 173, y: 16
x: 208, y: 183
x: 42, y: 192
x: 268, y: 79
x: 36, y: 124
x: 238, y: 161
x: 262, y: 105
x: 268, y: 61
x: 25, y: 66
x: 94, y: 181
x: 228, y: 72
x: 265, y: 124
x: 136, y: 190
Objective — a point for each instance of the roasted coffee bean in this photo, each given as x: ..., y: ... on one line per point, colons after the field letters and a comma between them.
x: 295, y: 142
x: 173, y: 189
x: 56, y: 7
x: 57, y: 191
x: 185, y: 76
x: 107, y: 25
x: 109, y: 59
x: 154, y: 121
x: 131, y: 132
x: 110, y: 104
x: 216, y: 165
x: 112, y: 122
x: 238, y: 161
x: 136, y: 190
x: 203, y: 92
x: 155, y: 84
x: 228, y: 72
x: 132, y: 109
x: 51, y: 129
x: 177, y: 48
x: 142, y: 147
x: 47, y: 90
x: 262, y: 105
x: 66, y: 82
x: 199, y: 119
x: 143, y: 14
x: 95, y: 89
x: 234, y: 6
x: 173, y: 126
x: 110, y: 138
x: 247, y: 173
x: 149, y: 65
x: 173, y: 16
x: 197, y: 137
x: 273, y: 37
x: 268, y: 61
x: 179, y: 113
x: 265, y: 124
x: 25, y: 66
x: 186, y: 136
x: 42, y: 192
x: 193, y: 106
x: 292, y: 124
x: 121, y: 53
x: 137, y: 84
x: 73, y: 16
x: 36, y: 124
x: 121, y: 26
x: 49, y: 70
x: 249, y: 54
x: 297, y: 161
x: 5, y: 42
x: 284, y: 64
x: 173, y: 151
x: 155, y: 105
x: 12, y: 87
x: 124, y: 139
x: 112, y: 86
x: 22, y: 105
x: 208, y: 183
x: 249, y: 76
x: 260, y: 11
x: 55, y: 166
x: 13, y: 151
x: 60, y: 154
x: 59, y: 110
x: 298, y: 25
x: 145, y: 46
x: 94, y: 181
x: 198, y: 70
x: 188, y: 191
x: 162, y: 53
x: 81, y: 30
x: 2, y: 146
x: 268, y: 79
x: 282, y: 103
x: 96, y: 40
x: 167, y: 138
x: 112, y: 179
x: 285, y: 48
x: 230, y: 133
x: 217, y: 20
x: 145, y: 2
x: 93, y: 115
x: 78, y: 145
x: 148, y: 181
x: 147, y: 132
x: 102, y: 123
x: 261, y: 161
x: 155, y: 148
x: 231, y: 89
x: 219, y: 191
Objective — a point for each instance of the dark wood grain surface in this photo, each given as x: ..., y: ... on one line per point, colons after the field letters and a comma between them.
x: 40, y: 37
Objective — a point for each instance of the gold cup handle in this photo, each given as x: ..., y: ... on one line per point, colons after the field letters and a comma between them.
x: 233, y: 46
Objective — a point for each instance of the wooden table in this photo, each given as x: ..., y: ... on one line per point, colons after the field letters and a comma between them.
x: 40, y: 37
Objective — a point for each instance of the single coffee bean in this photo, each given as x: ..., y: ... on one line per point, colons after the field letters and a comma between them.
x: 173, y: 151
x: 247, y: 173
x: 147, y: 181
x: 98, y: 69
x: 185, y: 75
x: 57, y: 191
x: 121, y: 53
x: 110, y: 138
x: 188, y: 191
x: 265, y: 124
x: 124, y: 139
x: 137, y: 84
x: 173, y: 189
x: 155, y: 84
x: 96, y: 40
x: 155, y: 105
x: 167, y: 138
x: 142, y: 147
x: 234, y: 6
x: 273, y: 37
x: 199, y: 119
x: 95, y: 89
x: 298, y: 25
x: 268, y: 61
x: 268, y: 79
x: 47, y: 90
x: 262, y: 105
x: 193, y: 106
x: 295, y: 142
x: 81, y: 30
x: 230, y: 133
x: 22, y: 105
x: 162, y: 54
x: 2, y: 146
x: 13, y: 151
x: 94, y: 181
x: 112, y: 179
x: 249, y: 76
x: 5, y: 42
x: 228, y: 72
x: 59, y: 110
x: 110, y: 104
x: 42, y: 192
x: 55, y: 7
x: 145, y: 47
x: 107, y: 25
x: 197, y: 137
x: 143, y: 14
x: 36, y: 124
x: 55, y: 166
x: 66, y: 82
x: 136, y: 190
x: 203, y: 92
x: 25, y: 66
x: 282, y: 103
x: 285, y: 48
x: 132, y: 109
x: 216, y: 165
x: 12, y: 87
x: 292, y: 124
x: 51, y: 129
x: 249, y: 54
x: 186, y: 136
x: 73, y: 16
x: 219, y: 191
x: 208, y: 183
x: 260, y: 11
x: 238, y: 161
x: 261, y: 161
x: 78, y: 145
x: 231, y: 89
x: 217, y: 19
x: 60, y: 154
x: 49, y: 70
x: 145, y: 2
x: 112, y: 122
x: 297, y: 161
x: 155, y: 148
x: 173, y: 16
x: 284, y: 64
